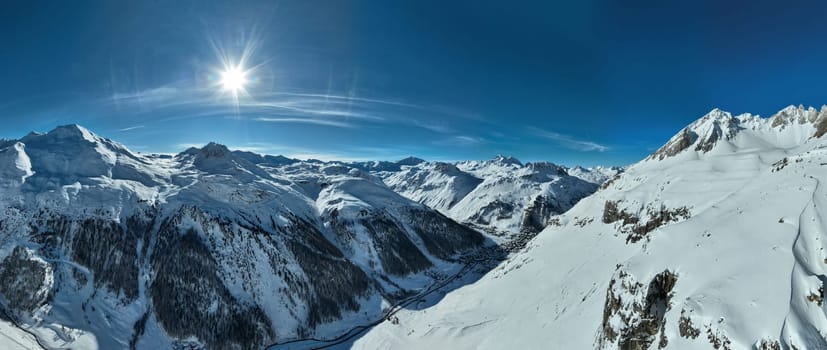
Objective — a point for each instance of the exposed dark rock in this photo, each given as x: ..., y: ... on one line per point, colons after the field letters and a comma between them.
x: 640, y: 323
x: 609, y: 182
x: 538, y: 213
x: 685, y: 327
x: 676, y: 145
x: 777, y: 166
x: 768, y: 344
x: 631, y: 224
x: 817, y: 298
x: 718, y: 339
x: 138, y: 329
x: 821, y: 126
x: 657, y: 218
x: 611, y: 214
x: 501, y: 210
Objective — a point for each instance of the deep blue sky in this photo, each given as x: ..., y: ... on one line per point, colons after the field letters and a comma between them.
x: 599, y: 82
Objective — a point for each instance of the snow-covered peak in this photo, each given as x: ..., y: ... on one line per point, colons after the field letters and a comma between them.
x: 506, y: 160
x: 797, y: 115
x: 213, y: 150
x: 15, y: 165
x: 596, y: 175
x: 265, y: 159
x: 793, y: 126
x: 547, y: 168
x: 73, y: 131
x: 215, y: 158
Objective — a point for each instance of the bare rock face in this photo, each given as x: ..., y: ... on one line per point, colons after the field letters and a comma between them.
x: 634, y: 313
x: 26, y: 281
x: 539, y: 212
x: 821, y: 126
x: 496, y: 209
x: 704, y: 134
x: 637, y: 229
x: 676, y: 145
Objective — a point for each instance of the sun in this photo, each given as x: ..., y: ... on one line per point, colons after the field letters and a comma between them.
x: 233, y: 79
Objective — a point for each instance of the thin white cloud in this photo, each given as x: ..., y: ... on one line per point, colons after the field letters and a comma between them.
x: 324, y: 122
x: 131, y: 128
x: 569, y: 141
x: 437, y: 127
x: 153, y: 95
x: 460, y: 140
x: 304, y: 107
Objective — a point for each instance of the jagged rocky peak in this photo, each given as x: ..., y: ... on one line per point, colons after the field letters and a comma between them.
x: 703, y: 133
x: 547, y: 168
x: 800, y: 115
x: 214, y: 150
x: 507, y: 160
x: 446, y: 168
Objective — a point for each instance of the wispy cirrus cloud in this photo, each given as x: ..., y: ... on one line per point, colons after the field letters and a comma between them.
x: 147, y: 96
x: 460, y: 140
x: 325, y: 122
x: 568, y: 141
x: 183, y: 101
x: 131, y: 128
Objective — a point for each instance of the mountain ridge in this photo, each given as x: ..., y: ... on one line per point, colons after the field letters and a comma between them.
x: 143, y: 251
x: 708, y: 247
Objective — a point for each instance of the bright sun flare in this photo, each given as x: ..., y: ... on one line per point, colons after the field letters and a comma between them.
x: 233, y: 79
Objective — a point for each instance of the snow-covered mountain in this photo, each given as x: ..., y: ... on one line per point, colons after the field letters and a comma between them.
x: 597, y: 175
x: 501, y: 195
x: 101, y: 247
x: 715, y: 241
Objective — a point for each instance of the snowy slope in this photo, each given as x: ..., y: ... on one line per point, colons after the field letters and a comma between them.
x: 715, y: 241
x: 101, y: 247
x: 500, y: 195
x: 596, y: 175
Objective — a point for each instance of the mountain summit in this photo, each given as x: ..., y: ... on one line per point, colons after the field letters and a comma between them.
x: 715, y: 241
x: 216, y: 249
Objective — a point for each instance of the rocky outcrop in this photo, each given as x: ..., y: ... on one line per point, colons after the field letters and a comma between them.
x: 676, y: 145
x: 539, y: 212
x: 634, y: 313
x: 632, y: 225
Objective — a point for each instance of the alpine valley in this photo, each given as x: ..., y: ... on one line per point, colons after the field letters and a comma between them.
x: 102, y: 247
x: 714, y: 241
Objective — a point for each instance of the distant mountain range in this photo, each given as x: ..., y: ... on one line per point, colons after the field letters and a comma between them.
x: 104, y: 247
